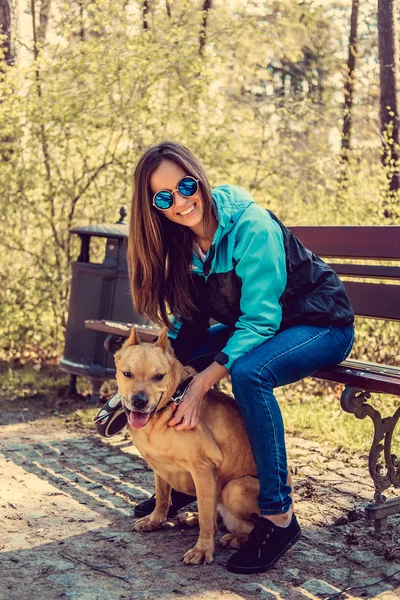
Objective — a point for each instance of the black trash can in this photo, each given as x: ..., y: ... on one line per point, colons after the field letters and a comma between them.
x: 98, y: 291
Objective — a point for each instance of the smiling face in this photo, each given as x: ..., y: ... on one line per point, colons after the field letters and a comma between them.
x: 147, y: 376
x: 187, y: 211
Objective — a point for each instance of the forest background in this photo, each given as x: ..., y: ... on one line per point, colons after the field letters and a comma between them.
x: 282, y: 97
x: 258, y: 90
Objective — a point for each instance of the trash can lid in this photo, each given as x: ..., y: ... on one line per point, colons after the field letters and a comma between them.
x: 106, y: 230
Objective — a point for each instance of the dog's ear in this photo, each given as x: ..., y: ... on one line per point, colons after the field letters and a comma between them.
x: 133, y: 339
x: 163, y: 340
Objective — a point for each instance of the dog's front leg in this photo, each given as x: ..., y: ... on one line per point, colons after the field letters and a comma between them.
x: 206, y: 491
x: 163, y: 500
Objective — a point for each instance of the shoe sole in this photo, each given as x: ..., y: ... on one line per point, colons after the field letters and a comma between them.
x: 244, y: 570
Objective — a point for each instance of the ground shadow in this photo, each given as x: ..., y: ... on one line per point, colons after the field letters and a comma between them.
x: 95, y: 486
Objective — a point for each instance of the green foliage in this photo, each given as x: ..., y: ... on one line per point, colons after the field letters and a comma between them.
x: 312, y: 409
x: 77, y: 114
x: 29, y: 382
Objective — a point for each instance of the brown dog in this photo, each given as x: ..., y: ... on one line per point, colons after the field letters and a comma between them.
x: 214, y: 461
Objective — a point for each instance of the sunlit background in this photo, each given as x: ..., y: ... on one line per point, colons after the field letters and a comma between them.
x: 255, y: 89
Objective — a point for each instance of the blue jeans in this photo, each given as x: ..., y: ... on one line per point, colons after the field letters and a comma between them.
x: 289, y: 356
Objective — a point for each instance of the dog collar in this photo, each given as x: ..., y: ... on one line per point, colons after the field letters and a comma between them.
x: 112, y: 418
x: 175, y: 398
x: 179, y: 394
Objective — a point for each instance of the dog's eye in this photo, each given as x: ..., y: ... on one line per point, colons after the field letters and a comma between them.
x: 127, y: 374
x: 159, y: 377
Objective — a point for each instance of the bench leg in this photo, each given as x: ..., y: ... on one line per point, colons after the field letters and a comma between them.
x: 378, y: 513
x: 384, y: 473
x: 72, y: 391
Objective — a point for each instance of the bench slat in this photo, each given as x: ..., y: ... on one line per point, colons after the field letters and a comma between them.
x: 352, y: 363
x: 378, y: 300
x: 375, y: 242
x: 377, y: 271
x: 146, y: 333
x: 364, y: 379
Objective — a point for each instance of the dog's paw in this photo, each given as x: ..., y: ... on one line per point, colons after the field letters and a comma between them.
x: 147, y: 524
x: 190, y: 519
x: 234, y: 541
x: 199, y: 555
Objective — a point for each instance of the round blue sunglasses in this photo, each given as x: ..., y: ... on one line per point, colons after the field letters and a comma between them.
x: 187, y: 186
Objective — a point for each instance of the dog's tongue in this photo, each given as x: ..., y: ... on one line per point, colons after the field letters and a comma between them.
x: 137, y: 420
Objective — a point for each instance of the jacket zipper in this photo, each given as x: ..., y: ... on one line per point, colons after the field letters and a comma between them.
x: 207, y: 264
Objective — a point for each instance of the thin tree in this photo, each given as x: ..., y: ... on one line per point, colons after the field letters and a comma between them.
x: 44, y: 15
x: 145, y: 15
x: 207, y: 6
x: 389, y: 104
x: 7, y: 44
x: 349, y: 82
x: 7, y: 59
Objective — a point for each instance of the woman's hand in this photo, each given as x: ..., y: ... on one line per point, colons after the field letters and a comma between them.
x: 187, y: 414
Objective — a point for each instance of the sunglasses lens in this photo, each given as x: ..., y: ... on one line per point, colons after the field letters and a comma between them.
x: 163, y: 200
x: 187, y: 186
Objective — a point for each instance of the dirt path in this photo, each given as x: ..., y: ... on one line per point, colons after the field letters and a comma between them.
x: 66, y: 504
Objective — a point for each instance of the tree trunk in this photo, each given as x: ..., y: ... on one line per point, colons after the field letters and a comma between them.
x: 7, y: 54
x: 82, y: 32
x: 6, y: 29
x: 389, y: 66
x: 145, y: 12
x: 207, y: 5
x: 44, y: 15
x: 349, y: 82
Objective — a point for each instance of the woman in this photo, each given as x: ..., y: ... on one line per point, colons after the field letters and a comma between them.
x: 195, y: 254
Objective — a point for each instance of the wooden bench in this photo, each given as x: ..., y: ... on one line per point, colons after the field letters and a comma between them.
x: 374, y: 291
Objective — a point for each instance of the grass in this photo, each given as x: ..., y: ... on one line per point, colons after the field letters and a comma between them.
x: 310, y: 408
x: 44, y: 392
x: 314, y: 412
x: 25, y: 380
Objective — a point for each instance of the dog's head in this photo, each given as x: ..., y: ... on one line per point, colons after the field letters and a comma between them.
x: 147, y: 376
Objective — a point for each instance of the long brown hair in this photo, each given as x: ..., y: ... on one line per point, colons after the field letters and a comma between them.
x: 160, y: 251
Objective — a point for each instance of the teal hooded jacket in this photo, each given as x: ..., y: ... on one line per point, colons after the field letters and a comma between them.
x: 247, y: 246
x: 257, y: 278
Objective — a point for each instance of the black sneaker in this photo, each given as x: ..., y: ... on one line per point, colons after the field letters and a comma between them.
x: 265, y: 545
x: 178, y: 500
